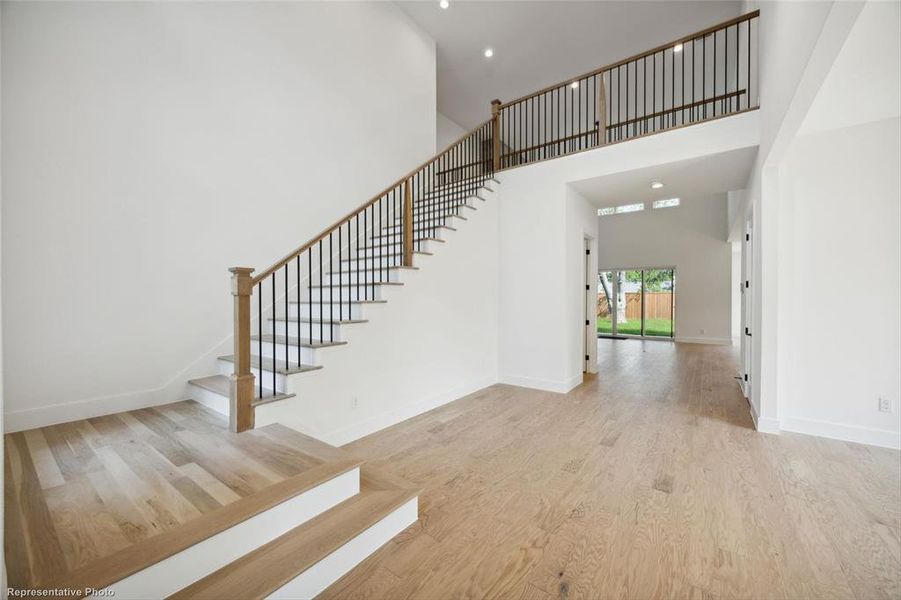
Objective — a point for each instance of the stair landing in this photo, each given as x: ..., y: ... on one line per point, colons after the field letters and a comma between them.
x: 93, y: 501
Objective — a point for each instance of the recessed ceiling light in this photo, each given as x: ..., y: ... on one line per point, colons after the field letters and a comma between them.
x: 656, y: 185
x: 444, y: 4
x: 677, y: 48
x: 574, y: 84
x: 489, y: 52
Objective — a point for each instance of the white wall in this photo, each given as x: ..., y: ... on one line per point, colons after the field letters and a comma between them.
x: 690, y: 237
x: 798, y: 41
x: 841, y: 343
x: 803, y: 48
x: 446, y: 132
x: 541, y: 228
x: 435, y: 340
x: 148, y: 147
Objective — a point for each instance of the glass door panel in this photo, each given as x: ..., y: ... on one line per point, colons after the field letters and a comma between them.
x: 658, y: 302
x: 628, y: 310
x: 606, y: 302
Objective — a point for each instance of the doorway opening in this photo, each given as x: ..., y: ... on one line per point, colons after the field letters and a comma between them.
x: 637, y: 303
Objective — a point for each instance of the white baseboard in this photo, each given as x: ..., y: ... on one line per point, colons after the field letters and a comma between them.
x: 763, y: 424
x: 355, y: 431
x: 839, y: 431
x: 175, y: 389
x: 704, y: 340
x: 547, y: 385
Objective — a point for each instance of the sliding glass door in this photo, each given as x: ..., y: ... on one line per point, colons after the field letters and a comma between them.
x: 659, y: 302
x: 636, y: 303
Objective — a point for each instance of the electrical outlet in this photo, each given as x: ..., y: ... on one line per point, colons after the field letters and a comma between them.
x: 885, y: 405
x: 354, y: 403
x: 703, y: 331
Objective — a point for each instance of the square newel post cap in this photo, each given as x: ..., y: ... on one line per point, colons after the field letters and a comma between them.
x: 241, y: 280
x: 495, y: 106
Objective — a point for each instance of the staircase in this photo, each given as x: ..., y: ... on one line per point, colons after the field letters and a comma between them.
x: 311, y: 318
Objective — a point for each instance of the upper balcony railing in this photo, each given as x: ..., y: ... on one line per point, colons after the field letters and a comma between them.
x: 702, y: 76
x: 307, y: 293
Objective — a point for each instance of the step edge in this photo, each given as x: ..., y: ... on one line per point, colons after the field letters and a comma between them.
x: 396, y: 499
x: 102, y: 573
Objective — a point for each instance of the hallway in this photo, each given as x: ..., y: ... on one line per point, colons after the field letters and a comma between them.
x: 646, y: 481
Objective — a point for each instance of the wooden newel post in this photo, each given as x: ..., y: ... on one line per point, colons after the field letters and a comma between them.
x: 496, y: 133
x: 240, y: 410
x: 408, y: 223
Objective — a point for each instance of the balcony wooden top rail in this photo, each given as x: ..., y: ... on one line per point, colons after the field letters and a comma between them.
x: 324, y: 233
x: 619, y: 63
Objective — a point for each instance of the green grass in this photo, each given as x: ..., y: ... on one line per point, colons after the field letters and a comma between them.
x: 656, y: 327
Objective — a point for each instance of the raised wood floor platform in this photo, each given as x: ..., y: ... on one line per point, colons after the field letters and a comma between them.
x: 92, y: 501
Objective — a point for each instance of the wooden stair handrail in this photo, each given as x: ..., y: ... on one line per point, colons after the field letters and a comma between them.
x: 400, y: 182
x: 619, y: 63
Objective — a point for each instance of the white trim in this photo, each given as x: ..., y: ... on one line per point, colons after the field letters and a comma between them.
x: 547, y: 385
x: 763, y: 425
x: 328, y: 570
x: 840, y: 431
x: 700, y: 340
x: 349, y: 433
x: 195, y: 562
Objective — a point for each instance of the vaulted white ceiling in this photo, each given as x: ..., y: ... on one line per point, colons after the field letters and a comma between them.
x: 540, y: 43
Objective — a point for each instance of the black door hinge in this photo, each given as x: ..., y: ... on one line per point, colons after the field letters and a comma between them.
x: 587, y: 322
x: 587, y: 251
x: 746, y: 376
x: 747, y: 237
x: 587, y: 287
x: 586, y: 357
x: 747, y: 283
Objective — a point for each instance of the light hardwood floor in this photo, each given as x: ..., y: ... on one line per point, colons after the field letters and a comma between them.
x: 92, y: 501
x: 647, y: 481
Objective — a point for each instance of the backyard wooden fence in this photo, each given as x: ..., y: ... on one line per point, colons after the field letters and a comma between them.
x: 658, y: 305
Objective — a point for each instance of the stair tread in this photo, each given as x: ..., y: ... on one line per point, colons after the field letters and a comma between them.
x: 280, y: 366
x: 383, y: 256
x: 343, y: 302
x: 351, y: 285
x: 269, y: 567
x: 449, y: 228
x: 115, y: 567
x: 399, y: 242
x: 219, y: 384
x: 326, y: 321
x: 293, y: 341
x: 345, y: 271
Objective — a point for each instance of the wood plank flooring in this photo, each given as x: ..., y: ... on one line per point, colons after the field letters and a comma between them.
x: 647, y: 481
x: 83, y: 497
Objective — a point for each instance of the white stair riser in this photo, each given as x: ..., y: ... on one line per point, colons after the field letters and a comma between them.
x: 307, y: 355
x: 343, y: 294
x: 429, y: 228
x: 362, y: 277
x: 228, y: 367
x: 307, y: 330
x: 210, y: 399
x: 382, y: 263
x: 423, y: 245
x: 195, y: 562
x: 328, y: 570
x: 420, y: 233
x: 325, y: 311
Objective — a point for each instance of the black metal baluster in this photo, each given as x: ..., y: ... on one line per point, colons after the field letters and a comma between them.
x: 287, y: 344
x: 297, y: 296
